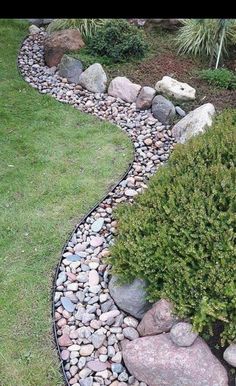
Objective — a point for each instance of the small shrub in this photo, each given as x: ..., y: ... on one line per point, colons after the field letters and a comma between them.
x: 179, y: 236
x: 118, y: 40
x: 87, y: 27
x: 221, y: 77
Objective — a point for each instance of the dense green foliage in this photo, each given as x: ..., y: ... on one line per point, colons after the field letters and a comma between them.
x: 221, y: 77
x: 179, y: 235
x: 203, y: 36
x: 118, y: 40
x: 87, y: 27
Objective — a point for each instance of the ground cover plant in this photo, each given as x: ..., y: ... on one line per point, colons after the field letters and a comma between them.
x: 179, y: 235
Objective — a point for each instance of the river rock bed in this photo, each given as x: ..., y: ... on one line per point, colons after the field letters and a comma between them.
x: 90, y: 327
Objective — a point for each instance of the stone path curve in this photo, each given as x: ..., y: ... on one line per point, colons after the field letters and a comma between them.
x: 88, y: 324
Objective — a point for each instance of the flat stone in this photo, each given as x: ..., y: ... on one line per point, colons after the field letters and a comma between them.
x: 97, y: 225
x: 67, y: 304
x: 130, y: 192
x: 65, y: 354
x: 93, y: 277
x: 96, y: 241
x: 86, y: 350
x: 73, y: 287
x: 110, y: 314
x: 131, y: 322
x: 70, y: 68
x: 163, y: 109
x: 180, y: 111
x: 86, y: 381
x: 97, y: 365
x: 65, y: 340
x: 73, y: 258
x: 74, y: 347
x: 98, y: 340
x: 130, y: 333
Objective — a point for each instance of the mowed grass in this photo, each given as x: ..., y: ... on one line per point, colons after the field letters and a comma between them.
x: 55, y: 164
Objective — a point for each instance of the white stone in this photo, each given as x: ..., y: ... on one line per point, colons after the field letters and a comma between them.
x: 196, y: 122
x: 33, y: 29
x: 93, y: 277
x: 175, y: 89
x: 109, y: 314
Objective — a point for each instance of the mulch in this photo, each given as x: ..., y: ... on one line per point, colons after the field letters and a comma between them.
x: 148, y: 72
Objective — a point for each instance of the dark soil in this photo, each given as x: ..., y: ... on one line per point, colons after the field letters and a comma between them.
x: 148, y: 72
x: 164, y: 60
x: 218, y: 351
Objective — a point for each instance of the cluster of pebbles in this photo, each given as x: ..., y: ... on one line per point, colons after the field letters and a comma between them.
x: 89, y: 325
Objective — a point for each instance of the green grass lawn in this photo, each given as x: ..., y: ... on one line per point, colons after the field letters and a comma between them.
x: 55, y: 164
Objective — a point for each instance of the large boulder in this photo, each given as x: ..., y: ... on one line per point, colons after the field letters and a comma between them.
x: 70, y: 68
x: 160, y: 318
x: 194, y: 123
x: 175, y: 89
x: 130, y: 298
x: 157, y: 361
x: 230, y: 354
x: 163, y: 110
x: 94, y: 78
x: 121, y: 87
x: 145, y: 97
x: 57, y: 44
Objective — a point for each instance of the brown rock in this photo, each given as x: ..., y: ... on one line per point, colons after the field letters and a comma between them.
x: 57, y: 44
x: 157, y: 361
x: 145, y: 97
x: 158, y: 319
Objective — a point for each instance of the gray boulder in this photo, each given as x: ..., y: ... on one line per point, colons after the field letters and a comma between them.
x: 145, y: 97
x: 163, y: 109
x: 196, y: 122
x: 157, y: 361
x: 94, y: 78
x: 130, y: 297
x: 70, y: 68
x: 182, y: 334
x: 230, y: 354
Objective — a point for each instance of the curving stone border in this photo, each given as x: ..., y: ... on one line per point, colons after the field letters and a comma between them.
x: 88, y: 325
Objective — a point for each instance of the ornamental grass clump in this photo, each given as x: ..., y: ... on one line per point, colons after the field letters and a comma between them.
x: 179, y: 236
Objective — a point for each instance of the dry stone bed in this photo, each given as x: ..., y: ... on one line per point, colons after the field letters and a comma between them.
x: 93, y: 331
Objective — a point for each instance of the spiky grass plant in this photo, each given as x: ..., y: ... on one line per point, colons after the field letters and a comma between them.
x: 87, y: 27
x: 206, y: 37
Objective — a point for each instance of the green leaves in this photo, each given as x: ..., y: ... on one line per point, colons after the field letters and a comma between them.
x: 180, y: 234
x: 221, y: 77
x: 87, y: 27
x: 118, y: 40
x: 202, y: 36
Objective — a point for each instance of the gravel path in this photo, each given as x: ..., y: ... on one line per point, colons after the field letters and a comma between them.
x: 89, y: 325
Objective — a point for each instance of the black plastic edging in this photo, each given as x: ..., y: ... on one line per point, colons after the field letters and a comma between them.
x: 72, y: 233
